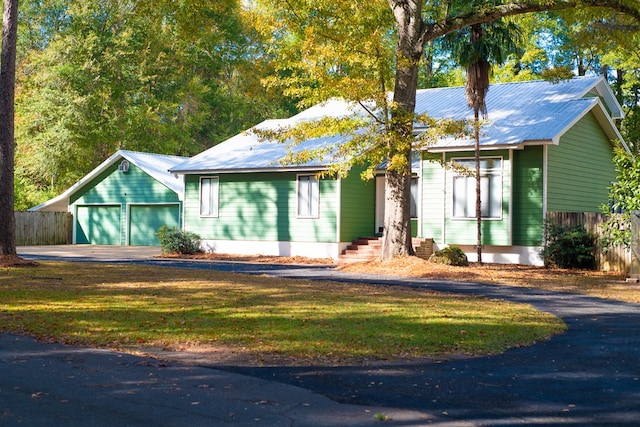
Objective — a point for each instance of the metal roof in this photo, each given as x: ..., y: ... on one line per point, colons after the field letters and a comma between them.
x: 156, y: 165
x: 248, y: 152
x: 534, y: 112
x: 524, y: 112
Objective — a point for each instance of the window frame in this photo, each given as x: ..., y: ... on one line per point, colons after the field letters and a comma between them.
x: 495, y: 173
x: 214, y: 197
x: 312, y: 210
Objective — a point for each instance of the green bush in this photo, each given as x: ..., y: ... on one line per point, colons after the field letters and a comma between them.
x: 451, y: 255
x: 569, y: 247
x: 176, y: 241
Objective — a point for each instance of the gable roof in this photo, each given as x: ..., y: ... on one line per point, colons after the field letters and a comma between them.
x: 534, y: 112
x: 247, y: 152
x: 155, y: 165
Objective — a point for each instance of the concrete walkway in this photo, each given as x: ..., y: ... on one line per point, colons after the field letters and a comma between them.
x: 588, y: 376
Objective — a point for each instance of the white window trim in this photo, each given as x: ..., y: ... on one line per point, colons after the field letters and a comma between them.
x: 473, y: 218
x: 313, y: 214
x: 216, y: 197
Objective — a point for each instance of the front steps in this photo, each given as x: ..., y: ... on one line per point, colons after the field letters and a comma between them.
x: 370, y: 248
x: 362, y: 249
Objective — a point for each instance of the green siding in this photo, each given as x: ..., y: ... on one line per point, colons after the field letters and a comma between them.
x: 261, y: 206
x: 357, y: 202
x: 432, y: 200
x: 460, y: 231
x: 494, y: 231
x: 527, y: 196
x: 114, y: 188
x: 580, y: 169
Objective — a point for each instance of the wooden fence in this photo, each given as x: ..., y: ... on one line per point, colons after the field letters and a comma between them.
x: 617, y: 258
x: 43, y: 228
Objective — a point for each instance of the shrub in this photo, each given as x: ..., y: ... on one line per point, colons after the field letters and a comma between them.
x: 451, y: 255
x: 176, y: 241
x: 569, y: 247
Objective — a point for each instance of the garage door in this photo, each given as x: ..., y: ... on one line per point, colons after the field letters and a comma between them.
x: 98, y: 225
x: 144, y: 222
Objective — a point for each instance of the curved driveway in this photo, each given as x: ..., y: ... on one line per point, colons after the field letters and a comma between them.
x: 589, y: 375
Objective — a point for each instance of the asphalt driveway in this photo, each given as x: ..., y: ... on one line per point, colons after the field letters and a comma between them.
x: 588, y: 376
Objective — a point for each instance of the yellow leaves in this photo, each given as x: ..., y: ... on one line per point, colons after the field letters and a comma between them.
x: 326, y: 49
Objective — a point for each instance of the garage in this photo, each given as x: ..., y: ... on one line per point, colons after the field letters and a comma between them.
x: 124, y: 201
x: 145, y: 220
x: 98, y: 225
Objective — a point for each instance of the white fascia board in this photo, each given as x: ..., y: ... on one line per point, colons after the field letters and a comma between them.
x: 260, y: 170
x: 605, y: 91
x: 605, y: 120
x: 83, y: 181
x: 453, y: 149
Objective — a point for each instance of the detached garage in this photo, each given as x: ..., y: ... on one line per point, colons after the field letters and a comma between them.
x: 124, y: 200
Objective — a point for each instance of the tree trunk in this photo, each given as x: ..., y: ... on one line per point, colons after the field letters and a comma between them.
x: 397, y: 215
x: 476, y: 128
x: 7, y: 142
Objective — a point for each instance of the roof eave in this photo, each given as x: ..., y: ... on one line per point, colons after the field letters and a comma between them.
x: 606, y: 93
x: 250, y: 170
x: 83, y: 181
x: 605, y: 120
x: 471, y: 147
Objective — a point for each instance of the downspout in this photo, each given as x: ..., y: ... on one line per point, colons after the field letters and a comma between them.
x: 338, y: 212
x: 510, y: 226
x: 545, y: 154
x: 444, y: 198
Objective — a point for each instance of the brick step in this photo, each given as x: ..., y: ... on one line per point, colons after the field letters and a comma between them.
x: 370, y: 248
x: 362, y: 249
x: 368, y: 241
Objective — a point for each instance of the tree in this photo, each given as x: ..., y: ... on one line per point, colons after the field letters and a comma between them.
x: 159, y: 76
x: 416, y: 30
x: 7, y: 143
x: 475, y: 48
x: 624, y: 198
x: 326, y: 43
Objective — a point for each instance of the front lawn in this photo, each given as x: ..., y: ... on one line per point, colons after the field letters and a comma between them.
x: 292, y: 321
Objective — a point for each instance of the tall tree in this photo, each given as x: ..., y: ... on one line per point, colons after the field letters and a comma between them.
x: 7, y: 143
x: 416, y: 30
x: 160, y: 76
x: 314, y: 33
x: 478, y: 48
x: 476, y: 89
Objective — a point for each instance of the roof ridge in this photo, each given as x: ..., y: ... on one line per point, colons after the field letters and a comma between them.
x: 596, y: 77
x: 144, y: 153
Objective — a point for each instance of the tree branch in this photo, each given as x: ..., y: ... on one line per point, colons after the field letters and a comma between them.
x: 454, y: 23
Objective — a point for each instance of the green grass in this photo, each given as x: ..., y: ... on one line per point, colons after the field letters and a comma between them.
x: 120, y: 306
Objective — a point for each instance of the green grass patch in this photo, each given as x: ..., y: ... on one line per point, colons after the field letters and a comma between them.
x: 119, y: 306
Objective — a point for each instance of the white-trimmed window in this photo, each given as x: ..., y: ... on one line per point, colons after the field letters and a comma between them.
x: 308, y: 196
x: 209, y: 189
x: 464, y: 189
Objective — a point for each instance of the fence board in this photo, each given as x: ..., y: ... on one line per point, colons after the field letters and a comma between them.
x: 617, y: 258
x: 43, y: 228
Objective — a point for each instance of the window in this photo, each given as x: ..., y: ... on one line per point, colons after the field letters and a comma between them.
x: 415, y: 196
x: 464, y: 189
x: 209, y: 196
x: 308, y: 196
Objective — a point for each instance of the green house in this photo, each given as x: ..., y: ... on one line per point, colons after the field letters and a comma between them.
x: 544, y: 147
x: 124, y: 200
x: 241, y: 200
